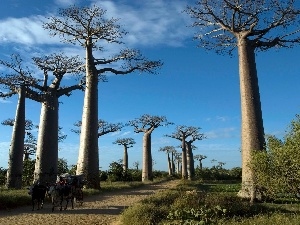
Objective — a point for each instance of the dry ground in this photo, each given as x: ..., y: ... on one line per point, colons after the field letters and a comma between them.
x: 101, y: 209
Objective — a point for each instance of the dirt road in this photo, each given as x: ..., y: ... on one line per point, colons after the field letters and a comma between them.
x: 101, y: 209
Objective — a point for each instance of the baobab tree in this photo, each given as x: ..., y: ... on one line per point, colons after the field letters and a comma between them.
x: 47, y: 93
x: 136, y: 165
x: 147, y: 124
x: 200, y: 158
x: 187, y: 135
x: 190, y: 158
x: 88, y: 27
x: 55, y: 66
x: 249, y: 26
x: 16, y: 81
x: 30, y: 140
x: 103, y: 127
x: 169, y: 150
x: 126, y: 143
x: 178, y: 160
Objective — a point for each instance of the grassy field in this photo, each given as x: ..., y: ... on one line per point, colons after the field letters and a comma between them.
x: 196, y: 203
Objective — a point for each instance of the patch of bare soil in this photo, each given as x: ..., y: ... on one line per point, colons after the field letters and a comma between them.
x: 101, y: 209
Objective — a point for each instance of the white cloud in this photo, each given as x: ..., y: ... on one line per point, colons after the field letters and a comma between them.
x: 126, y: 133
x: 148, y: 23
x: 64, y: 3
x: 222, y: 118
x: 26, y: 31
x: 151, y: 22
x: 228, y: 132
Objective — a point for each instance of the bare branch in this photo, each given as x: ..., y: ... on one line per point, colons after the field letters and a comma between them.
x: 81, y: 24
x: 262, y: 23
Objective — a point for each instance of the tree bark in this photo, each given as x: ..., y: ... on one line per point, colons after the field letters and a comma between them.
x: 88, y: 159
x: 252, y: 131
x: 190, y: 161
x: 147, y: 158
x: 15, y: 164
x: 125, y: 159
x: 47, y: 143
x: 169, y: 164
x: 184, y: 174
x: 150, y: 164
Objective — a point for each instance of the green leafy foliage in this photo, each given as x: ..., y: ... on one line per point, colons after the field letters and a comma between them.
x: 218, y: 173
x: 277, y: 170
x: 2, y: 175
x: 62, y: 166
x: 28, y: 170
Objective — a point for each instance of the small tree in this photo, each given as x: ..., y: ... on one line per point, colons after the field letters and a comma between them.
x: 103, y: 127
x: 277, y: 169
x: 136, y: 165
x: 28, y: 171
x: 62, y: 166
x: 147, y: 124
x: 200, y: 158
x: 126, y: 143
x: 169, y: 150
x: 187, y: 135
x: 178, y: 160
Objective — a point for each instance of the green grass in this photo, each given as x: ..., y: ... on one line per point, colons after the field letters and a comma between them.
x: 194, y: 203
x: 12, y: 198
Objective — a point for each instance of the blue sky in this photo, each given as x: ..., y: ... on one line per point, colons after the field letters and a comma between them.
x: 193, y: 88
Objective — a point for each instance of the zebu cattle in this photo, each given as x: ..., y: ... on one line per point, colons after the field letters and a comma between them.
x: 38, y: 193
x: 59, y: 193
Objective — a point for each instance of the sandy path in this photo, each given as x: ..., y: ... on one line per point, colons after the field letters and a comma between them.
x: 101, y: 209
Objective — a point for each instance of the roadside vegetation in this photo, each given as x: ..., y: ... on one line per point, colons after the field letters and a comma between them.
x: 212, y: 198
x: 199, y: 202
x: 111, y: 180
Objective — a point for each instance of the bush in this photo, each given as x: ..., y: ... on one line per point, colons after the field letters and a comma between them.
x: 234, y: 205
x: 3, y: 176
x: 13, y: 198
x: 103, y: 175
x: 151, y: 210
x: 146, y: 214
x: 277, y: 169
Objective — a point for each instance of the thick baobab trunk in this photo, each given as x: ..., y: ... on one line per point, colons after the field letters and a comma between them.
x: 151, y: 162
x: 47, y: 143
x: 88, y: 159
x: 252, y: 131
x: 15, y: 163
x: 190, y: 161
x: 147, y: 158
x: 172, y: 163
x: 125, y: 159
x: 169, y: 164
x: 179, y: 167
x: 184, y: 174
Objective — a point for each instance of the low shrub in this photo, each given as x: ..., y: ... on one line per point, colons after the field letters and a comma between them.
x: 146, y: 214
x: 193, y: 203
x: 13, y: 198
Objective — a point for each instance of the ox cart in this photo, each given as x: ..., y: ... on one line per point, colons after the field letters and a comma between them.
x: 77, y: 182
x: 67, y: 188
